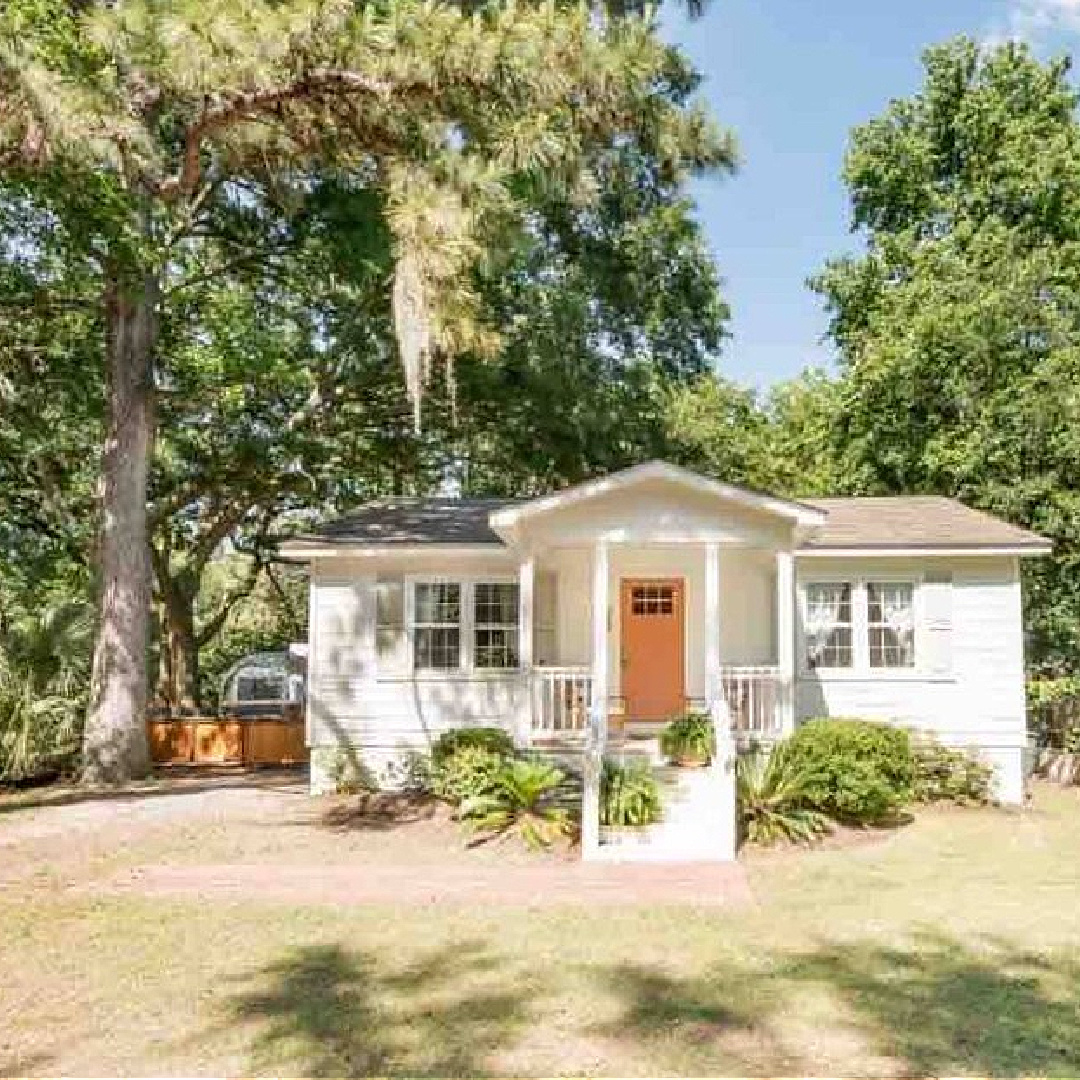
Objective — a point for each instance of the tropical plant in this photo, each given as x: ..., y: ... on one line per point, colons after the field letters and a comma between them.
x: 689, y: 740
x: 470, y: 772
x: 492, y: 739
x: 629, y: 794
x: 945, y: 774
x: 44, y: 658
x: 858, y: 771
x: 524, y: 802
x: 771, y: 794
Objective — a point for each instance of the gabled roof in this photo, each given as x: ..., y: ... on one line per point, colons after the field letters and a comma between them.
x: 403, y: 522
x: 916, y: 522
x: 860, y: 525
x: 796, y: 512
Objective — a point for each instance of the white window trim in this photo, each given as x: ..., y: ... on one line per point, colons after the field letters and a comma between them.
x: 860, y: 626
x: 466, y: 662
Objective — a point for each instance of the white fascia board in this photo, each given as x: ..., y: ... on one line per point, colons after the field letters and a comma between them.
x: 909, y: 552
x: 302, y: 552
x: 799, y: 513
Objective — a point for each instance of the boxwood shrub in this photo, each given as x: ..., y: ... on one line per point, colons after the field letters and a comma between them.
x: 856, y: 771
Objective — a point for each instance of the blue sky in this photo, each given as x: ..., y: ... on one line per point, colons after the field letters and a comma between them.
x: 791, y: 78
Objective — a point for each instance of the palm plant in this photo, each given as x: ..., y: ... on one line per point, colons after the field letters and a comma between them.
x: 770, y: 790
x: 43, y: 684
x: 689, y: 740
x: 523, y: 801
x: 629, y: 794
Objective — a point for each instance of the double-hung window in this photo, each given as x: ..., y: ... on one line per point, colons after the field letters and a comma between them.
x: 890, y: 623
x: 465, y: 625
x: 830, y: 637
x: 495, y: 625
x: 437, y: 625
x: 860, y: 624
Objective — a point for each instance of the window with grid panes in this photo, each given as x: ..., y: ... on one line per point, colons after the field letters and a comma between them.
x: 495, y: 624
x: 437, y: 625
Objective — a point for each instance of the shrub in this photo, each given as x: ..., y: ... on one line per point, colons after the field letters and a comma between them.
x: 690, y: 738
x: 348, y: 773
x: 468, y: 773
x: 857, y: 771
x: 629, y: 794
x: 943, y: 774
x: 523, y: 801
x: 771, y: 792
x: 492, y: 739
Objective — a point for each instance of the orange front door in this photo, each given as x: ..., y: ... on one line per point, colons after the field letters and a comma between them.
x: 651, y: 615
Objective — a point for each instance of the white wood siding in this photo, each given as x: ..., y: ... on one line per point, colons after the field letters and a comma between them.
x: 968, y: 684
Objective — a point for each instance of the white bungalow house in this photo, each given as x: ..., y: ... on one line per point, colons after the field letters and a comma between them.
x: 577, y: 617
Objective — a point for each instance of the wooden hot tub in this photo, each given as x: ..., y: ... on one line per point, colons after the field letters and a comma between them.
x: 227, y: 740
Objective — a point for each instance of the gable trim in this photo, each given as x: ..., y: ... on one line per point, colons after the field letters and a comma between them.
x: 798, y: 513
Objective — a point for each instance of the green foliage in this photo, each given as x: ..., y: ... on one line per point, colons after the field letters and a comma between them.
x: 346, y: 770
x: 944, y: 774
x: 523, y: 802
x: 468, y: 772
x: 956, y: 330
x: 492, y: 739
x: 629, y: 794
x: 857, y: 771
x: 1054, y: 712
x: 772, y: 794
x: 689, y: 739
x: 43, y: 685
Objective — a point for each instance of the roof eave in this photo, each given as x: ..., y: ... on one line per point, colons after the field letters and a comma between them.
x: 1026, y: 550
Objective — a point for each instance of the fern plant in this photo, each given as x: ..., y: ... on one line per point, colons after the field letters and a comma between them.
x: 523, y: 801
x: 771, y: 790
x: 629, y: 794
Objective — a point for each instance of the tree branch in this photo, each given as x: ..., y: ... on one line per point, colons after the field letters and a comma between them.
x: 247, y: 106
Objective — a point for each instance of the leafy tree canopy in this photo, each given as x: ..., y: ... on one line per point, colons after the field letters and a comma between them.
x: 958, y: 329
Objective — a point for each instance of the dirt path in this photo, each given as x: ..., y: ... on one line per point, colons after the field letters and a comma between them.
x: 542, y: 883
x: 261, y: 837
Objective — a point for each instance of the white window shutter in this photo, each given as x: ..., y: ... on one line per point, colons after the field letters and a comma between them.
x: 937, y: 623
x: 391, y: 637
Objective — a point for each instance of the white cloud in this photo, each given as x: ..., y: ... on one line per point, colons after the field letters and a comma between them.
x: 1032, y: 20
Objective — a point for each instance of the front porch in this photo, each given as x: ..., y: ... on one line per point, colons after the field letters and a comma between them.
x: 617, y: 638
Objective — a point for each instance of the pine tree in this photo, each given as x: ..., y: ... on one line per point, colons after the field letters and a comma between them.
x: 132, y: 121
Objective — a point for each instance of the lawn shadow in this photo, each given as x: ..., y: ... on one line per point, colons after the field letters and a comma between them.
x: 934, y: 1006
x: 326, y: 1010
x: 379, y: 811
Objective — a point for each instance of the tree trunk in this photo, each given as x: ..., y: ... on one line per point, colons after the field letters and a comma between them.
x: 179, y: 681
x: 114, y: 743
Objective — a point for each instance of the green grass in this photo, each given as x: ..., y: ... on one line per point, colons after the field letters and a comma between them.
x: 950, y: 946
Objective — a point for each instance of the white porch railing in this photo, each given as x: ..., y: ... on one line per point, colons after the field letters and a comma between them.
x: 561, y: 699
x: 754, y: 696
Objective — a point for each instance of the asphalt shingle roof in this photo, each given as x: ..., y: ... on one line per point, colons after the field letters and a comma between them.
x: 919, y: 522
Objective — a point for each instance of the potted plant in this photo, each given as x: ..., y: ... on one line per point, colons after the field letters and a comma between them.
x: 689, y: 741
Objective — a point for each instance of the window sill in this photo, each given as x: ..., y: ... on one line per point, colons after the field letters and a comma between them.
x: 455, y: 675
x: 900, y: 675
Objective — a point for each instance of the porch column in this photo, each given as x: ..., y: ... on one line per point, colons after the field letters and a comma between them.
x: 526, y: 578
x: 785, y: 639
x: 725, y: 762
x: 714, y: 686
x: 596, y: 733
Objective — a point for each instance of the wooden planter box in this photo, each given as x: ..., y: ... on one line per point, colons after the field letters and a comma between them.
x: 274, y: 742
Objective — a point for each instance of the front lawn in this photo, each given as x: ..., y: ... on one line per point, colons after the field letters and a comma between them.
x: 949, y: 946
